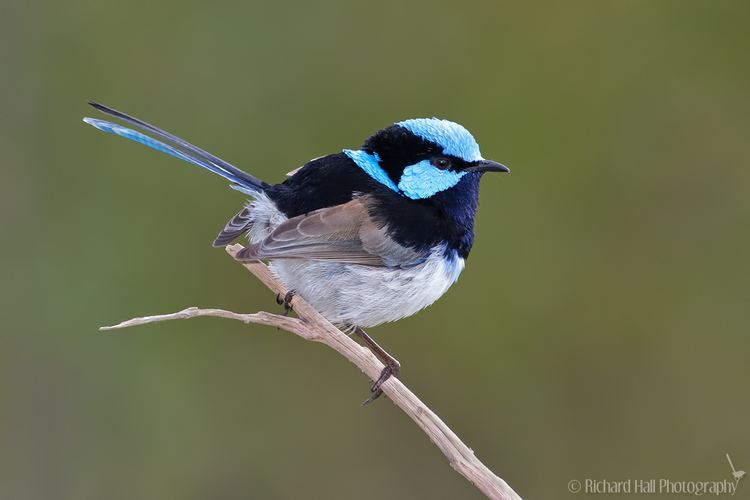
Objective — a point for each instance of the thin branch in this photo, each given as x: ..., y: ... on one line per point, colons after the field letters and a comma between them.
x: 310, y: 325
x: 292, y: 325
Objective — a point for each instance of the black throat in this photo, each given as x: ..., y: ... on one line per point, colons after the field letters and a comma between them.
x: 446, y: 217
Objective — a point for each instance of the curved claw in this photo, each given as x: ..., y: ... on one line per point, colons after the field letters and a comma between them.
x: 286, y: 301
x: 391, y: 369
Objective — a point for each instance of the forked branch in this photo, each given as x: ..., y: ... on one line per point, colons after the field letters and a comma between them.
x: 310, y: 325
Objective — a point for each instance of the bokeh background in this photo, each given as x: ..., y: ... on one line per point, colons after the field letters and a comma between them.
x: 600, y: 329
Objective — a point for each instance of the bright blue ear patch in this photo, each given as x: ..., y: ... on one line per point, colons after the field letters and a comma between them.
x: 423, y: 180
x: 452, y: 137
x: 370, y: 163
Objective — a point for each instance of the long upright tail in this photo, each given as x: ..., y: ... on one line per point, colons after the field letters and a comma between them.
x: 242, y: 181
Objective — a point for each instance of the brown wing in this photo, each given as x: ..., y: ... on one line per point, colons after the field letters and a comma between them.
x: 343, y: 233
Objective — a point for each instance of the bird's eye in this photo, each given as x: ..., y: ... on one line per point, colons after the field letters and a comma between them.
x: 441, y: 162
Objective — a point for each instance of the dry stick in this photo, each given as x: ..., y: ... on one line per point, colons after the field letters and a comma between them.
x: 310, y: 325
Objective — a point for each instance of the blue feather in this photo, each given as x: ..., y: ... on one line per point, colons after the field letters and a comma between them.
x: 370, y: 163
x: 133, y: 135
x: 452, y: 137
x: 175, y: 146
x: 423, y: 180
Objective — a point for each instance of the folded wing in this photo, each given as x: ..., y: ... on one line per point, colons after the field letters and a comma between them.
x: 344, y: 233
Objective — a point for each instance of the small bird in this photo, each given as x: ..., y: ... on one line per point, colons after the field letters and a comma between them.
x: 365, y: 236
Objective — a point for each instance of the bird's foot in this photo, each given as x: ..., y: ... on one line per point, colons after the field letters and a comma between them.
x: 286, y: 301
x: 392, y: 366
x: 391, y: 369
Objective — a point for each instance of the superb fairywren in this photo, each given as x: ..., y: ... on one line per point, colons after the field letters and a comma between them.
x: 365, y: 236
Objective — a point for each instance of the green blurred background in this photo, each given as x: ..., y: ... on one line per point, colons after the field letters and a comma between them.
x: 600, y: 329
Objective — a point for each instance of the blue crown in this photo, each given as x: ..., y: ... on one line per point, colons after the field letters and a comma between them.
x: 452, y: 137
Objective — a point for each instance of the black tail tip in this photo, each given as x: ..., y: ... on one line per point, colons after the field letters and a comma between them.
x: 96, y: 105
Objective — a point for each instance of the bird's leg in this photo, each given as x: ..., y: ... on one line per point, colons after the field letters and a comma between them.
x: 286, y: 301
x: 392, y: 366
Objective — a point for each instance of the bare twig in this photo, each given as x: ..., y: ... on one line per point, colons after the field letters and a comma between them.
x: 310, y: 325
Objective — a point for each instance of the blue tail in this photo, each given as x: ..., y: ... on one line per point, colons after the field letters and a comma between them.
x: 179, y: 148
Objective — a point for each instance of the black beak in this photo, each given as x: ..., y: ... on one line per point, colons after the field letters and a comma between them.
x: 487, y: 166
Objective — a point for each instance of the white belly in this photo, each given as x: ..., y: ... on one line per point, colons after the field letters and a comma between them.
x: 368, y: 296
x: 355, y: 294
